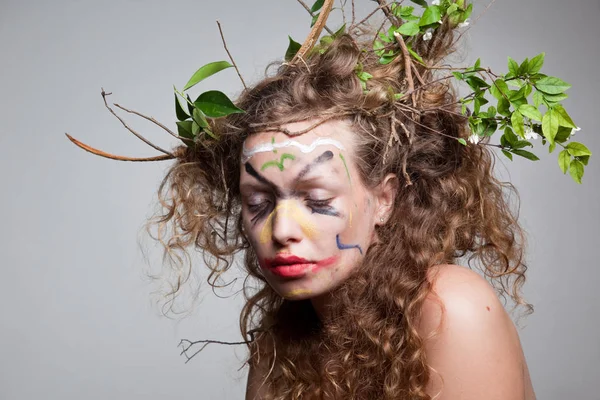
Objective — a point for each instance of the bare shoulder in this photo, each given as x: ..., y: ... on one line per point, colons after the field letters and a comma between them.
x: 471, y: 344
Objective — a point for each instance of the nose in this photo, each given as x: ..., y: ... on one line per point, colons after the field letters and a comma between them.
x: 287, y: 224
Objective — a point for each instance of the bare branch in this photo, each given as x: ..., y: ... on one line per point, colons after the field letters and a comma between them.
x: 115, y: 157
x: 230, y: 57
x: 315, y: 32
x: 310, y: 128
x: 473, y: 23
x: 407, y: 67
x: 312, y: 15
x: 365, y: 19
x: 153, y: 121
x: 143, y: 139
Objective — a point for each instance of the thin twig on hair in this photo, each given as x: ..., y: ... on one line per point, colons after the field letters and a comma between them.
x: 230, y: 57
x: 143, y: 139
x: 310, y: 128
x: 353, y: 14
x: 365, y: 19
x: 388, y: 13
x: 153, y: 121
x: 307, y: 8
x: 393, y: 136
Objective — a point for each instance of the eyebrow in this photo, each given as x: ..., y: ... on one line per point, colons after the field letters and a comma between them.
x: 324, y: 157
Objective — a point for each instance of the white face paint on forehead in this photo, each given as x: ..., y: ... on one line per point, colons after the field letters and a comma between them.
x: 268, y: 147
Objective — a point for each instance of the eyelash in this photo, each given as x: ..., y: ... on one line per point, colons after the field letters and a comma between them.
x: 319, y: 206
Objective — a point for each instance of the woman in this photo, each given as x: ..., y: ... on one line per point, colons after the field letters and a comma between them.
x: 349, y: 188
x: 351, y: 212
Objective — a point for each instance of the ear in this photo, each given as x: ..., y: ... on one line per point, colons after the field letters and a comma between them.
x: 385, y: 193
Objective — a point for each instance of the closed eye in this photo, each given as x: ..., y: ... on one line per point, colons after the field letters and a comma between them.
x: 322, y: 207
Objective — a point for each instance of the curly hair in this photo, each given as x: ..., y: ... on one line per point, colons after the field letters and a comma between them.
x: 450, y: 206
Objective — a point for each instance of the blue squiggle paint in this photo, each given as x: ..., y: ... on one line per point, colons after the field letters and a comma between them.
x: 342, y: 246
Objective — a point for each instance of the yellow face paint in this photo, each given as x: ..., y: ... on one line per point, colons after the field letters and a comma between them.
x: 297, y: 292
x: 289, y: 209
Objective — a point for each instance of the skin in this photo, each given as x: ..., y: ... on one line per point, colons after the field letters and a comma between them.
x: 315, y: 206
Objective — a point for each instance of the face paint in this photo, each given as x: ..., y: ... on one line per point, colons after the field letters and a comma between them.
x: 290, y: 210
x: 342, y: 246
x: 261, y: 148
x: 278, y: 163
x: 292, y: 213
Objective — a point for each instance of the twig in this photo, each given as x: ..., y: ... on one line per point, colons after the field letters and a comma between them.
x: 113, y: 156
x: 407, y: 67
x: 143, y: 139
x: 365, y: 19
x: 353, y: 14
x: 300, y: 132
x: 315, y: 32
x: 312, y: 15
x: 230, y: 57
x: 388, y: 13
x: 153, y: 121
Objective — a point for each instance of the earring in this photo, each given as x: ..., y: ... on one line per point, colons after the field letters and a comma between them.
x: 381, y: 219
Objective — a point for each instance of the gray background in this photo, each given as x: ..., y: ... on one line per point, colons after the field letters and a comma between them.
x: 78, y: 319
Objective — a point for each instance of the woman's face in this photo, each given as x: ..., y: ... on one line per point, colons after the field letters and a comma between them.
x: 305, y: 210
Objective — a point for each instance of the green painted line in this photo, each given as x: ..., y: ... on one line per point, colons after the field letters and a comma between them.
x: 345, y: 166
x: 278, y: 163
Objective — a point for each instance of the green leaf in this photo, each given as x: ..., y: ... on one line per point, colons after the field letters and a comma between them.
x: 414, y: 54
x: 458, y: 75
x: 510, y: 137
x: 563, y: 134
x: 563, y: 117
x: 584, y: 159
x: 530, y: 112
x: 578, y: 149
x: 517, y: 123
x: 422, y: 3
x: 538, y: 98
x: 292, y: 49
x: 536, y: 63
x: 524, y: 67
x: 576, y: 170
x: 216, y: 104
x: 564, y: 159
x: 314, y: 19
x: 181, y: 115
x: 431, y: 15
x: 507, y: 154
x: 205, y: 71
x: 317, y: 6
x: 184, y: 129
x: 554, y: 98
x: 551, y: 85
x: 462, y: 141
x: 190, y: 104
x: 513, y: 67
x: 550, y: 125
x: 499, y: 89
x: 526, y: 154
x: 551, y: 147
x: 504, y: 107
x: 199, y: 118
x: 408, y: 29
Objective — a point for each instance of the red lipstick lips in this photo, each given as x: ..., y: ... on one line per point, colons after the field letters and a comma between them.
x: 291, y: 266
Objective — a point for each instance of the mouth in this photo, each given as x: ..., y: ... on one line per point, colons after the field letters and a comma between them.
x: 291, y: 266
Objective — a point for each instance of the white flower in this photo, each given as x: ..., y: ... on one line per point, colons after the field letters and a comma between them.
x: 575, y: 130
x: 428, y: 34
x: 530, y: 134
x: 474, y: 138
x: 435, y: 3
x: 464, y: 24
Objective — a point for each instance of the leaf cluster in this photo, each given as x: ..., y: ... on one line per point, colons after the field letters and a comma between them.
x: 193, y: 122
